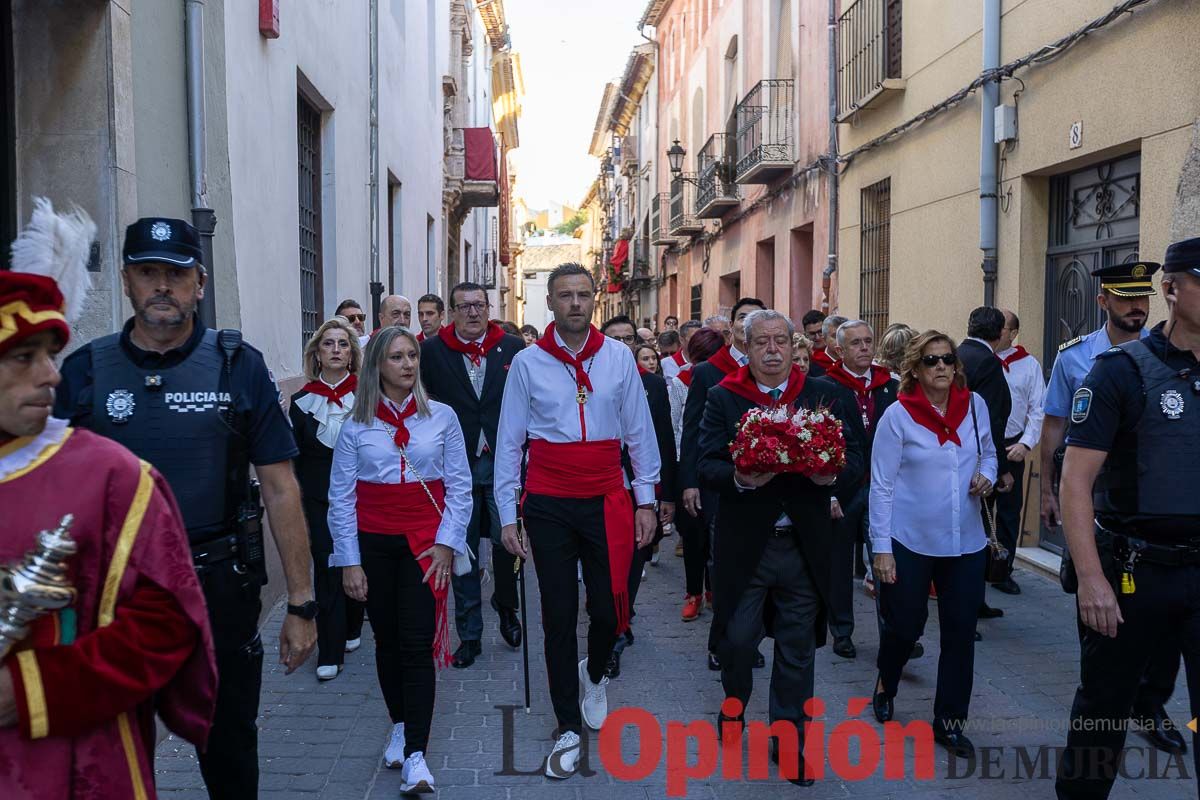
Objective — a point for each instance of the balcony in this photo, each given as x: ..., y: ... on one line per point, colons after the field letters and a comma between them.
x: 629, y: 156
x: 683, y: 220
x: 482, y: 269
x: 472, y: 165
x: 639, y: 272
x: 869, y: 45
x: 717, y: 192
x: 660, y: 215
x: 765, y: 132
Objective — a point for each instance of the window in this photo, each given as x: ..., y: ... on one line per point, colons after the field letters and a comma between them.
x: 395, y: 212
x: 869, y: 50
x: 431, y: 276
x: 308, y: 168
x: 875, y: 254
x: 697, y: 307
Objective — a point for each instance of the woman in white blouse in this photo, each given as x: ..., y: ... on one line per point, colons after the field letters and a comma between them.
x: 399, y: 504
x: 931, y: 463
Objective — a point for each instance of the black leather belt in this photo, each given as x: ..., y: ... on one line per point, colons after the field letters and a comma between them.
x: 214, y: 551
x: 784, y: 530
x: 1179, y: 555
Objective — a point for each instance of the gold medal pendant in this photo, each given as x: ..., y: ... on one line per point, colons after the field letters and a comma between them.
x: 581, y: 397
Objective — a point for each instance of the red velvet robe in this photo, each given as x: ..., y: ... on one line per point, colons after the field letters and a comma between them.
x: 89, y: 679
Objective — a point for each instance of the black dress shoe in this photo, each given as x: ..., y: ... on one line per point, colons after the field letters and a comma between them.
x: 714, y: 663
x: 612, y: 669
x: 881, y: 704
x: 466, y: 654
x: 957, y: 743
x: 978, y: 636
x: 799, y: 780
x: 987, y: 612
x: 1008, y: 586
x: 842, y: 646
x: 510, y: 626
x: 917, y: 651
x: 1161, y: 732
x: 760, y: 662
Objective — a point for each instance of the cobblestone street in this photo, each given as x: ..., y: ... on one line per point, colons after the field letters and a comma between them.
x: 325, y: 740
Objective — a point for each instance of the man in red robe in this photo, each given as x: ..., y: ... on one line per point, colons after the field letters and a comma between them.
x: 79, y: 694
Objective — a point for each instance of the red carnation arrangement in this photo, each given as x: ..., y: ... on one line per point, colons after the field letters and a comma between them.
x: 809, y: 442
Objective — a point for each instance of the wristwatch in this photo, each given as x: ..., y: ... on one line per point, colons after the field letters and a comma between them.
x: 646, y: 507
x: 304, y: 610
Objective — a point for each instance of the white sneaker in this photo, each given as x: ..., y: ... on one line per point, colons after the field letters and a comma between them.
x: 654, y: 556
x: 563, y: 758
x: 594, y: 698
x: 353, y: 644
x: 328, y: 672
x: 393, y: 756
x: 417, y: 779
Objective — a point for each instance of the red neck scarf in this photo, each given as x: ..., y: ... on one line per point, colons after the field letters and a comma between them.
x: 472, y: 350
x: 924, y: 414
x: 679, y: 358
x: 685, y: 375
x: 595, y: 341
x: 420, y: 336
x: 723, y: 361
x: 823, y: 359
x: 1015, y: 355
x: 390, y: 417
x: 742, y: 383
x: 863, y: 392
x: 333, y: 394
x: 643, y: 371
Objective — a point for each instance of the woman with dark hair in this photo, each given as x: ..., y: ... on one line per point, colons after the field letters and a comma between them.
x: 932, y: 462
x: 529, y: 334
x: 317, y: 411
x: 509, y: 327
x: 647, y: 359
x: 399, y: 505
x: 693, y: 536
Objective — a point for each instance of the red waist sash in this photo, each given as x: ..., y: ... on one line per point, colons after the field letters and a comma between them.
x: 403, y: 509
x: 584, y: 470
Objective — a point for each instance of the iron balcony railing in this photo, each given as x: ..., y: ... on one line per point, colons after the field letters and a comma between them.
x: 716, y: 191
x: 683, y: 217
x: 629, y: 155
x: 483, y: 269
x: 660, y: 217
x: 765, y: 131
x: 869, y: 45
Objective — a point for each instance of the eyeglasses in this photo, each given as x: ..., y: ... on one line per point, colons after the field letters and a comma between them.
x: 630, y: 339
x: 948, y: 359
x: 355, y: 317
x: 467, y: 308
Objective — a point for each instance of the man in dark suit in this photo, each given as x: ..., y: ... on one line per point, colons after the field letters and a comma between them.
x: 985, y: 377
x: 622, y: 329
x: 464, y: 365
x: 874, y: 390
x: 774, y: 535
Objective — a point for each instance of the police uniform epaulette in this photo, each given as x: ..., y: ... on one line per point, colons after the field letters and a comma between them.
x: 1070, y: 343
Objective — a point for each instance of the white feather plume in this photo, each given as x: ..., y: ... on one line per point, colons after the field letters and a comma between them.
x: 58, y: 246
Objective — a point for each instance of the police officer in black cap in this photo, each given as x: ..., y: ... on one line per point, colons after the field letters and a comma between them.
x: 201, y: 406
x: 1130, y: 497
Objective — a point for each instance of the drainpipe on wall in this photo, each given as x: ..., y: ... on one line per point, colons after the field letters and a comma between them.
x: 203, y: 217
x: 376, y: 283
x: 989, y: 206
x: 832, y: 162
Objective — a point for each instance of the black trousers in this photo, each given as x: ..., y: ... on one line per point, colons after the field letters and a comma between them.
x: 1008, y: 507
x: 402, y: 612
x: 563, y: 532
x: 485, y: 521
x: 846, y: 533
x: 694, y: 534
x: 1164, y: 609
x: 905, y: 608
x: 339, y: 618
x: 230, y: 765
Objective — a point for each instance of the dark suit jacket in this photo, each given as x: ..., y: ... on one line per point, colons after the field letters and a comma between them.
x: 312, y: 466
x: 704, y: 377
x: 883, y: 396
x: 444, y: 374
x: 745, y: 519
x: 664, y: 434
x: 985, y: 377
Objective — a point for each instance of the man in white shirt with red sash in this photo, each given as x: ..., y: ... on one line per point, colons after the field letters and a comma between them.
x: 577, y: 398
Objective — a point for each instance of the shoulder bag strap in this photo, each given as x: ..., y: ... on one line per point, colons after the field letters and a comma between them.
x: 425, y: 486
x: 987, y: 511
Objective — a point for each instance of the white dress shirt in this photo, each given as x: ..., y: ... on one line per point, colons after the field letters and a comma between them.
x: 669, y: 368
x: 436, y: 450
x: 741, y: 358
x: 475, y: 375
x: 920, y: 490
x: 539, y: 403
x: 1028, y: 390
x: 329, y: 416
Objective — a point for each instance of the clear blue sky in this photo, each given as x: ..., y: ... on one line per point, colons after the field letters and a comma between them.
x: 569, y: 50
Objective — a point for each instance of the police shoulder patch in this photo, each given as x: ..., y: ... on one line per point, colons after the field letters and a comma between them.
x: 1081, y: 404
x: 1070, y: 343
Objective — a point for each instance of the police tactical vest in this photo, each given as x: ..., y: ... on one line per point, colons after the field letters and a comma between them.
x: 1160, y: 474
x: 172, y: 418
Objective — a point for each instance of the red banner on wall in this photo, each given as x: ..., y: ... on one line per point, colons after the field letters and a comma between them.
x: 268, y: 18
x: 481, y: 154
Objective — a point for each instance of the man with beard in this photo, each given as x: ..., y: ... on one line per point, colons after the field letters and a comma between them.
x: 1125, y: 291
x: 201, y: 406
x: 352, y: 311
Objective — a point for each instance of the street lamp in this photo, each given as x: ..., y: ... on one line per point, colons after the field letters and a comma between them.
x: 675, y: 157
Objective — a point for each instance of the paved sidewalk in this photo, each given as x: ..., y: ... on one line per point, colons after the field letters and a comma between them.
x: 325, y: 740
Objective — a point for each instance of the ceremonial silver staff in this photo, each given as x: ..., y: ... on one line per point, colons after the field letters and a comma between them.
x: 517, y: 568
x: 36, y: 585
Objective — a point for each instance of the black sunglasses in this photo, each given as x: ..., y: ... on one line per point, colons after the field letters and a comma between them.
x: 946, y: 358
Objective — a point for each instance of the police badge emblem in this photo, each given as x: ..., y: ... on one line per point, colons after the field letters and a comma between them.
x: 1171, y: 404
x: 160, y: 231
x: 120, y: 405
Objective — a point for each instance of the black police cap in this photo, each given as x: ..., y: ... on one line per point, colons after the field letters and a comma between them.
x: 172, y: 241
x: 1183, y: 257
x: 1128, y: 280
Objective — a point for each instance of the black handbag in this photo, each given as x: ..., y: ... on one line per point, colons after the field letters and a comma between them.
x: 997, y: 553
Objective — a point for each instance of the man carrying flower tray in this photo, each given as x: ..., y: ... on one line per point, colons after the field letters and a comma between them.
x: 773, y: 443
